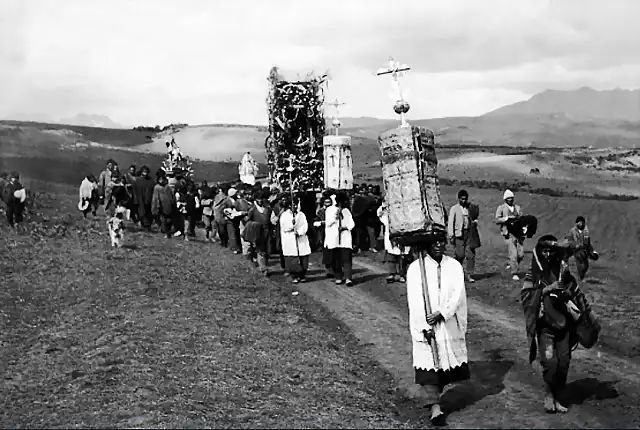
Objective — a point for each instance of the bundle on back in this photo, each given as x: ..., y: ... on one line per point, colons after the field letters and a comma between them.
x: 409, y: 172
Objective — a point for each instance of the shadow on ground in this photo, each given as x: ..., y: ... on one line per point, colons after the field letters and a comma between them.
x: 577, y: 392
x: 487, y: 379
x: 487, y: 275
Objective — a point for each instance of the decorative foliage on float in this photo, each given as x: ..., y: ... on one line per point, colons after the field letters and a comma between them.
x: 176, y: 164
x: 296, y: 127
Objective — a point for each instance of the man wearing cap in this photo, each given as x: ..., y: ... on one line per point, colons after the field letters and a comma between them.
x: 438, y: 334
x: 506, y: 213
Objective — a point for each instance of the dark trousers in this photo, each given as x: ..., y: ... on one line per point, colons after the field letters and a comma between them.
x: 582, y: 266
x: 342, y: 263
x: 144, y: 215
x: 15, y: 213
x: 555, y: 358
x: 166, y: 222
x: 233, y: 233
x: 222, y: 233
x: 464, y: 252
x: 297, y: 266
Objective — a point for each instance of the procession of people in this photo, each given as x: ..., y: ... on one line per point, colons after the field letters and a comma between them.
x: 261, y: 221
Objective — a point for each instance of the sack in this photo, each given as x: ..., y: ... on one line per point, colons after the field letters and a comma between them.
x: 588, y: 329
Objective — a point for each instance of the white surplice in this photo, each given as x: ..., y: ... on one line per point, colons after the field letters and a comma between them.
x: 448, y: 296
x: 288, y: 234
x: 388, y: 246
x: 333, y: 237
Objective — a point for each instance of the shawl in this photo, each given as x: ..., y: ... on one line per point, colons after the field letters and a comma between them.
x: 445, y: 285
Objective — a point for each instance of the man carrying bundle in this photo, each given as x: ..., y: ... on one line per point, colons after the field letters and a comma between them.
x: 438, y: 333
x: 506, y: 213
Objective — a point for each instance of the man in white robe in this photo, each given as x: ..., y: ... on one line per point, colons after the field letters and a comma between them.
x: 248, y: 169
x: 338, y: 239
x: 294, y: 241
x: 443, y: 326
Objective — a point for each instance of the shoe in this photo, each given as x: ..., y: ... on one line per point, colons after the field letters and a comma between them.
x: 339, y: 282
x: 375, y: 251
x: 302, y: 280
x: 391, y: 279
x: 516, y: 278
x: 349, y: 283
x: 470, y: 279
x: 295, y: 280
x: 177, y: 234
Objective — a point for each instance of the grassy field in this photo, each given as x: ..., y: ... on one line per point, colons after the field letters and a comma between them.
x: 168, y: 334
x: 96, y: 338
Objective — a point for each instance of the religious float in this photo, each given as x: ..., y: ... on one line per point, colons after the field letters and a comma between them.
x: 248, y: 169
x: 338, y: 164
x: 176, y: 164
x: 296, y: 129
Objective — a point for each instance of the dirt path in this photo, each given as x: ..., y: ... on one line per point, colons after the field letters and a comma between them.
x: 505, y: 390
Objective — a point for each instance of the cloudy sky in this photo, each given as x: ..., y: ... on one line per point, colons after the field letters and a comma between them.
x: 205, y: 61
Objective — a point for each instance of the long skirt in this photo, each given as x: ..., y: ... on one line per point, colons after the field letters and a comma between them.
x: 297, y: 266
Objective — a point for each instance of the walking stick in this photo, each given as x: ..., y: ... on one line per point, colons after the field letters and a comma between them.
x: 431, y: 337
x: 293, y: 211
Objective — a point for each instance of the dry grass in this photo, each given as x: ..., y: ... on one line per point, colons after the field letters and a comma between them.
x: 169, y: 334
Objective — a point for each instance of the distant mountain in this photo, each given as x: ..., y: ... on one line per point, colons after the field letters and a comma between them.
x: 582, y: 104
x: 89, y: 120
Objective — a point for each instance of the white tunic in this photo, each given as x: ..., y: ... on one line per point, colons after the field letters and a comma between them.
x: 333, y: 238
x: 288, y: 234
x: 388, y: 246
x: 448, y: 296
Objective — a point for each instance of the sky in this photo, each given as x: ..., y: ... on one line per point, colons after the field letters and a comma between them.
x: 147, y: 62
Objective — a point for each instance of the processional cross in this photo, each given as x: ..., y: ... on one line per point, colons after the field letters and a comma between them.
x: 336, y: 103
x: 396, y: 70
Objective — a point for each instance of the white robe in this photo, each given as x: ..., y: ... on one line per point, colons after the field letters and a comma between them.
x: 288, y: 237
x: 450, y: 299
x: 388, y: 246
x: 333, y: 238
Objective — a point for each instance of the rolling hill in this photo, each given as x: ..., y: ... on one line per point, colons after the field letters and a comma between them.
x: 583, y: 104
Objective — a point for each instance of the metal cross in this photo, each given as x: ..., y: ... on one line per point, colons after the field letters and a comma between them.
x: 396, y: 70
x: 336, y: 103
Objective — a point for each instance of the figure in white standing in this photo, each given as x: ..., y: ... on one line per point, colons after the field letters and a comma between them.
x: 248, y: 169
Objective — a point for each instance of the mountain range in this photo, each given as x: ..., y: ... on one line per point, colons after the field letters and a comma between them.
x: 552, y: 118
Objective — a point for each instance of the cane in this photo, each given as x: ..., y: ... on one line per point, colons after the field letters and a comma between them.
x: 293, y: 210
x: 431, y: 337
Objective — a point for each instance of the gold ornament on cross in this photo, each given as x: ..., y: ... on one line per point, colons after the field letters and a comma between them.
x: 396, y: 70
x: 336, y: 103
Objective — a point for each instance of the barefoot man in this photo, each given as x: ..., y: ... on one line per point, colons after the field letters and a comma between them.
x: 439, y: 342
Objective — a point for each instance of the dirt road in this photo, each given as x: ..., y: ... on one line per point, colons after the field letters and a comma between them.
x: 505, y: 391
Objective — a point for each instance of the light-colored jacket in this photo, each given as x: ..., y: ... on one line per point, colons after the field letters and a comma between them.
x: 456, y: 221
x: 503, y: 213
x: 291, y: 232
x: 333, y: 237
